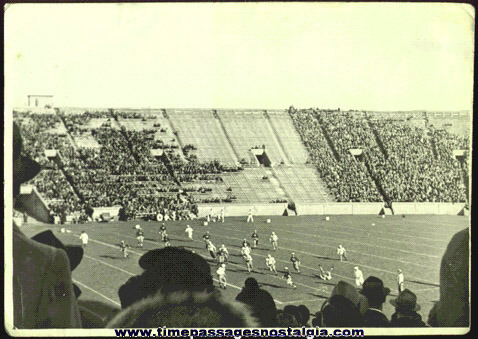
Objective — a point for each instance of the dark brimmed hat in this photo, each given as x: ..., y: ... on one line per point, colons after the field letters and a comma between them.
x: 178, y: 266
x: 75, y: 253
x: 24, y: 168
x: 373, y: 288
x: 407, y: 300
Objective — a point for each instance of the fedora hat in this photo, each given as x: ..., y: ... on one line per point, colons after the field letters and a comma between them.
x: 75, y: 253
x: 179, y: 265
x: 373, y: 287
x: 24, y: 168
x: 406, y: 300
x: 347, y: 291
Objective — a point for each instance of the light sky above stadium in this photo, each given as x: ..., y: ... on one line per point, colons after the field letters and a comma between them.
x: 236, y: 55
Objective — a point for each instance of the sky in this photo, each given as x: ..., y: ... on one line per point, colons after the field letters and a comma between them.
x: 242, y: 55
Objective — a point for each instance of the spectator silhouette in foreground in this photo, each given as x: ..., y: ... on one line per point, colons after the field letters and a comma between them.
x: 94, y: 314
x: 176, y: 290
x: 406, y: 309
x: 344, y: 308
x: 260, y: 301
x: 376, y: 294
x: 453, y: 308
x: 43, y: 295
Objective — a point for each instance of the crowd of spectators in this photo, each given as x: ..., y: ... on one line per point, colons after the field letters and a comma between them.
x: 121, y: 171
x: 345, y: 177
x: 413, y: 171
x: 399, y: 161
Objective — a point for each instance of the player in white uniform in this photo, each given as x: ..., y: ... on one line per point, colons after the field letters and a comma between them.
x: 288, y: 277
x: 140, y: 237
x: 210, y: 215
x: 325, y: 275
x: 358, y: 275
x: 271, y: 263
x: 211, y: 248
x: 189, y: 230
x: 341, y: 252
x: 84, y: 239
x: 222, y: 254
x: 273, y: 239
x: 245, y: 250
x: 400, y: 281
x: 250, y: 218
x: 248, y: 260
x: 222, y: 214
x: 221, y: 273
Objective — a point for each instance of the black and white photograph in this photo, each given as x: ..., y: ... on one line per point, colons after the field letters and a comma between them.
x: 238, y: 169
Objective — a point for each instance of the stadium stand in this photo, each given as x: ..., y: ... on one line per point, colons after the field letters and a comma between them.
x: 102, y: 158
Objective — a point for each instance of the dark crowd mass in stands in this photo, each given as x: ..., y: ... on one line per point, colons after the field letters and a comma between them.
x: 397, y: 162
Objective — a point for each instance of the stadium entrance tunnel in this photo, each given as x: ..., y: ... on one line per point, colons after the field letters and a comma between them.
x: 261, y: 156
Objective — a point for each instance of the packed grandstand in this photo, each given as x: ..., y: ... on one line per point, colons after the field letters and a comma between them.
x: 162, y: 163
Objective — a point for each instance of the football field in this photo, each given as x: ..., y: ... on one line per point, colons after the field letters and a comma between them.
x: 379, y: 246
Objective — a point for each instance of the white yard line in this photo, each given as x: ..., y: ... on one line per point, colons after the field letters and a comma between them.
x: 95, y: 291
x: 426, y: 289
x: 377, y: 229
x: 355, y: 242
x: 347, y: 262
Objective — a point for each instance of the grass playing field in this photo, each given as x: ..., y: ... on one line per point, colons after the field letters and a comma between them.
x: 378, y: 246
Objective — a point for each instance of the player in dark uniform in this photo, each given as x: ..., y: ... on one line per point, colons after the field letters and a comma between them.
x: 288, y: 277
x: 166, y: 240
x: 295, y: 262
x: 245, y: 243
x: 124, y: 248
x: 222, y: 254
x: 162, y: 231
x: 255, y: 238
x: 206, y: 237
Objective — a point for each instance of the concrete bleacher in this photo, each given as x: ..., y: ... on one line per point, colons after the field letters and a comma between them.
x: 201, y: 129
x: 249, y: 186
x: 289, y: 138
x: 247, y: 129
x: 302, y: 183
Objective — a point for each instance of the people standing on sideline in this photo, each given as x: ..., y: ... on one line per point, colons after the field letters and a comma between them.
x: 250, y: 218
